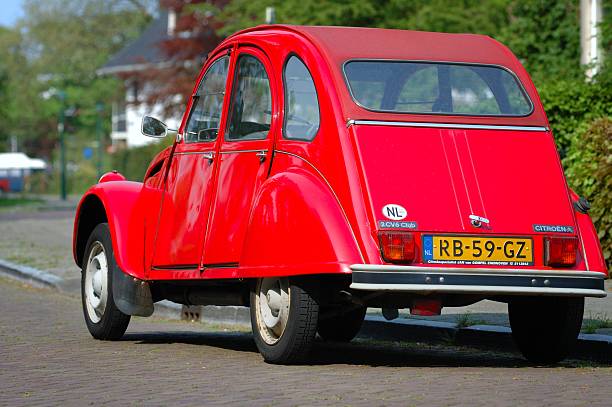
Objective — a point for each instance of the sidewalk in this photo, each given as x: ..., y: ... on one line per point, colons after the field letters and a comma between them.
x: 41, y: 240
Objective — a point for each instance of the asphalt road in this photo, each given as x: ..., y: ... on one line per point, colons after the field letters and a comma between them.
x: 48, y: 358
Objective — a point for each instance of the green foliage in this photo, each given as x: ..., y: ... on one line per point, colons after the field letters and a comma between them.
x: 57, y: 46
x: 545, y: 36
x: 589, y: 172
x: 571, y: 106
x: 133, y: 162
x: 432, y: 15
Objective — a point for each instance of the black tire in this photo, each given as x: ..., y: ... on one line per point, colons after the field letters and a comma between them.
x: 294, y: 343
x: 545, y: 329
x: 341, y: 324
x: 112, y: 323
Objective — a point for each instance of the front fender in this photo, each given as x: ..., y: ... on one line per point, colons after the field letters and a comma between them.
x: 120, y: 203
x: 297, y: 226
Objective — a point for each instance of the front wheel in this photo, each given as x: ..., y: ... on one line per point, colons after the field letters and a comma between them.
x: 284, y: 319
x: 545, y: 328
x: 102, y: 317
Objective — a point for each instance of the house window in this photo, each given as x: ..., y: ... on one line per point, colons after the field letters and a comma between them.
x: 118, y: 119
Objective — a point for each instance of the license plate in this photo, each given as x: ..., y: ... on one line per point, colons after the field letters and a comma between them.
x: 506, y: 251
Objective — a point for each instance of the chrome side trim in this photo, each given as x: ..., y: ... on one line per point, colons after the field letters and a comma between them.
x: 475, y: 289
x: 352, y: 122
x: 477, y: 271
x: 243, y: 151
x: 191, y: 152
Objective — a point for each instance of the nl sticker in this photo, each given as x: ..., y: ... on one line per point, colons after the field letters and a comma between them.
x: 394, y: 212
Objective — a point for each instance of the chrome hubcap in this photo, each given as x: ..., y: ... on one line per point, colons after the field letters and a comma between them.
x: 272, y: 308
x: 96, y: 283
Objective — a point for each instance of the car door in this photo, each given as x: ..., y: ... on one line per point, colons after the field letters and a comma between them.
x: 245, y: 156
x: 186, y: 201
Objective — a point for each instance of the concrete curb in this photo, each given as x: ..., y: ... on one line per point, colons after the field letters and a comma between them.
x: 30, y: 274
x: 590, y: 346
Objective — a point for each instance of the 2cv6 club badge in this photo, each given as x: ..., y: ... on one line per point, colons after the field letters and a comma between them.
x: 293, y: 141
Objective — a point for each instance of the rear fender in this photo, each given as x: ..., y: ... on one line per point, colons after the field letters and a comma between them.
x: 297, y: 226
x: 120, y: 203
x: 590, y: 241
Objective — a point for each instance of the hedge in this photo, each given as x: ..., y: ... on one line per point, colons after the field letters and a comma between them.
x: 133, y: 162
x: 588, y: 167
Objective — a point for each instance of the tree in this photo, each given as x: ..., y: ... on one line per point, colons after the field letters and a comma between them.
x: 195, y: 35
x: 545, y: 35
x: 62, y: 45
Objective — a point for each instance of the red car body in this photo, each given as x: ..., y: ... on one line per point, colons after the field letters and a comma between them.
x: 248, y: 209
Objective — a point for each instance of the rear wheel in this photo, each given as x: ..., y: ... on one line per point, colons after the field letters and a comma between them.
x: 102, y: 317
x: 545, y: 328
x: 284, y: 320
x: 341, y: 324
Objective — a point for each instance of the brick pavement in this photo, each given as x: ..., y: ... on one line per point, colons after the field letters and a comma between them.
x: 48, y: 358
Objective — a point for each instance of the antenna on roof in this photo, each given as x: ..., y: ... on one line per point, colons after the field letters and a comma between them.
x: 270, y: 15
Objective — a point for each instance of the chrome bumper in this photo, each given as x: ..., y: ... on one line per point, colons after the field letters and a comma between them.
x: 448, y: 280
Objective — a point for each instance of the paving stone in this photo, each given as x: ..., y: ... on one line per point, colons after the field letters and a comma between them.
x: 48, y: 358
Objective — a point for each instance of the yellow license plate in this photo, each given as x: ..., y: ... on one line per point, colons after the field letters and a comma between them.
x: 506, y: 251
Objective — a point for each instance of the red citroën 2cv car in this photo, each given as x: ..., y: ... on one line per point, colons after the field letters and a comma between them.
x: 319, y: 171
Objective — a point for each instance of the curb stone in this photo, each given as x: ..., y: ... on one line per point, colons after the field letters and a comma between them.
x: 30, y: 274
x: 595, y: 347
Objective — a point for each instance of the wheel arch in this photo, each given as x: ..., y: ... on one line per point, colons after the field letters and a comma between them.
x: 119, y: 204
x: 91, y: 213
x: 297, y: 226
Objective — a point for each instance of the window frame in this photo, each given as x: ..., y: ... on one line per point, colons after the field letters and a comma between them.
x: 195, y: 95
x: 503, y: 116
x: 234, y: 83
x: 284, y: 126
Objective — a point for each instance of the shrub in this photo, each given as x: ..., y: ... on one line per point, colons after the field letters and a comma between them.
x: 571, y: 105
x: 588, y: 167
x: 133, y: 162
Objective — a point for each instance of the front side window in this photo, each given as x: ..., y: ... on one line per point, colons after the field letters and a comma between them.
x: 203, y: 123
x: 251, y: 104
x: 436, y: 88
x: 301, y: 102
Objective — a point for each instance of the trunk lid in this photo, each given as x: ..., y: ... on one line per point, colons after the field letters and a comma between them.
x: 442, y: 176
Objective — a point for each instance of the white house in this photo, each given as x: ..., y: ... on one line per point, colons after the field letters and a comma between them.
x: 143, y: 53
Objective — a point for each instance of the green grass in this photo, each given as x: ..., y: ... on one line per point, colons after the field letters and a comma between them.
x: 6, y: 202
x: 594, y: 322
x: 466, y: 320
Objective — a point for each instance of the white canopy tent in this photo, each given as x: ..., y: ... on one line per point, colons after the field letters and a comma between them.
x: 19, y: 164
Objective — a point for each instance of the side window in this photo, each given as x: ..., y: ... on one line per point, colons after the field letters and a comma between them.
x: 203, y: 123
x: 251, y: 104
x: 301, y: 102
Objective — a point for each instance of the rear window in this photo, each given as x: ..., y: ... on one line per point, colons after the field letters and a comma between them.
x: 436, y: 88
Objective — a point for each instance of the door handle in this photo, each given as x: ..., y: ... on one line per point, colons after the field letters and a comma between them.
x: 262, y: 156
x: 210, y: 156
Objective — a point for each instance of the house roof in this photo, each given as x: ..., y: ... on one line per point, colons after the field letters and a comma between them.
x: 143, y: 51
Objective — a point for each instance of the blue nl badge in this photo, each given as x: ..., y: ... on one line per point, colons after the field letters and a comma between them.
x: 427, y: 242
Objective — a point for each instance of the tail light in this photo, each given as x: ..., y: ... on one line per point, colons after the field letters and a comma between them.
x: 397, y: 247
x: 560, y: 251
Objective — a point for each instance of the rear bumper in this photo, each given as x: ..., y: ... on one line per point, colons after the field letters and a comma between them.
x: 447, y: 280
